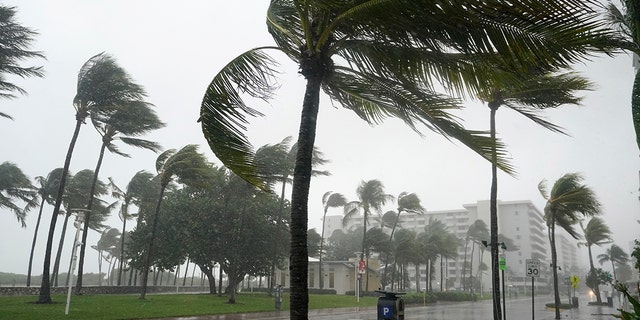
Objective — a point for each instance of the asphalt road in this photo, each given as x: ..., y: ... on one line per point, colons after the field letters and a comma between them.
x: 517, y: 309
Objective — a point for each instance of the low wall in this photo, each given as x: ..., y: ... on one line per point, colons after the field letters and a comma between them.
x: 25, y: 291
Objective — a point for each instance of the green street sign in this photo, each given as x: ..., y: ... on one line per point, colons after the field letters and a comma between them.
x: 503, y: 263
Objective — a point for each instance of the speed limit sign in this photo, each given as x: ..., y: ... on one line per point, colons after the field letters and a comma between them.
x: 533, y: 268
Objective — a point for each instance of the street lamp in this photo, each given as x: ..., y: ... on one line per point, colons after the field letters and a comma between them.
x: 76, y: 244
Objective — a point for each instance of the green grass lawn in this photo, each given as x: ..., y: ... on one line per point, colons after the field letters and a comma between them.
x: 157, y: 306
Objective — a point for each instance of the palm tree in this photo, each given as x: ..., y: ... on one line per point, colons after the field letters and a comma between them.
x: 276, y: 163
x: 188, y: 165
x: 438, y: 242
x: 626, y: 21
x: 108, y: 240
x: 383, y: 59
x: 372, y: 197
x: 409, y: 203
x: 567, y: 202
x: 75, y: 197
x: 595, y: 233
x: 47, y: 188
x: 102, y: 86
x: 330, y: 199
x: 16, y: 186
x: 614, y: 254
x: 136, y: 189
x: 476, y: 233
x: 125, y: 123
x: 15, y: 41
x: 528, y: 95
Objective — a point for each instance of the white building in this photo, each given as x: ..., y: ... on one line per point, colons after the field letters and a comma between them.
x: 519, y: 221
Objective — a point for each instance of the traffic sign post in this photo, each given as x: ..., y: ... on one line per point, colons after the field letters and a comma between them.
x: 532, y: 270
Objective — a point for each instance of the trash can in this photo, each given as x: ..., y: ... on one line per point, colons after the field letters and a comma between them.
x: 278, y: 297
x: 610, y: 301
x: 390, y: 306
x: 574, y: 302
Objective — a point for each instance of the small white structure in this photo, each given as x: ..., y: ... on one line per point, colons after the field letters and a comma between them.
x: 340, y: 276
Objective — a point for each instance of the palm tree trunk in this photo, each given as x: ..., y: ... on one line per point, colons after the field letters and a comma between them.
x: 124, y: 232
x: 493, y: 211
x: 554, y: 261
x: 299, y: 261
x: 33, y: 243
x: 56, y: 265
x: 464, y: 265
x: 147, y: 264
x: 87, y: 217
x: 386, y: 258
x: 320, y: 273
x: 592, y: 270
x: 45, y: 286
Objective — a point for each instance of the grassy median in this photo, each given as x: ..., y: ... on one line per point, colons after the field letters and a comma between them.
x: 157, y: 306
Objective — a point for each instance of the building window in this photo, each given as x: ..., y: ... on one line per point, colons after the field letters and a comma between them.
x: 283, y: 279
x: 331, y: 280
x: 312, y: 278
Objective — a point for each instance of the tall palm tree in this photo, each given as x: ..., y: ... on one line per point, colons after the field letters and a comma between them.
x: 528, y: 95
x: 16, y: 186
x: 191, y: 168
x: 15, y: 41
x: 409, y: 203
x: 136, y: 189
x: 102, y: 86
x: 330, y: 199
x: 383, y: 59
x: 75, y: 197
x: 614, y: 254
x: 125, y: 123
x: 371, y: 198
x: 568, y: 202
x: 276, y: 163
x: 626, y: 21
x: 595, y: 233
x: 47, y: 188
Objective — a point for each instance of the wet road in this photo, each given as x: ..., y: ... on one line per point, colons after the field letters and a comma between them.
x: 517, y: 309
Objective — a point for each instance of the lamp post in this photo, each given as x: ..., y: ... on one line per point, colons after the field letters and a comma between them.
x: 358, y: 276
x: 76, y: 244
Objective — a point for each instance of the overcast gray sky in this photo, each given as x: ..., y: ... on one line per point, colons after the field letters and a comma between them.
x: 174, y: 49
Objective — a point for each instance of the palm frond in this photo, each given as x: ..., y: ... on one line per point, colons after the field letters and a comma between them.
x: 223, y: 113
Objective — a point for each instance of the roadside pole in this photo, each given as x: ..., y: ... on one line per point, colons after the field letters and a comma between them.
x: 532, y: 270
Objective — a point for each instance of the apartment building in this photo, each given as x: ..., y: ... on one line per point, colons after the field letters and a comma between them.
x: 519, y: 221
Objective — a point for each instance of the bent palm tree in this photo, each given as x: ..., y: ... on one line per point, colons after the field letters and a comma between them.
x: 614, y: 254
x: 188, y: 165
x: 47, y: 190
x: 15, y: 41
x: 16, y: 186
x: 383, y: 59
x: 528, y: 95
x: 126, y: 123
x: 372, y: 198
x: 136, y: 189
x: 567, y: 202
x: 102, y: 86
x: 595, y: 233
x: 408, y: 203
x: 329, y: 200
